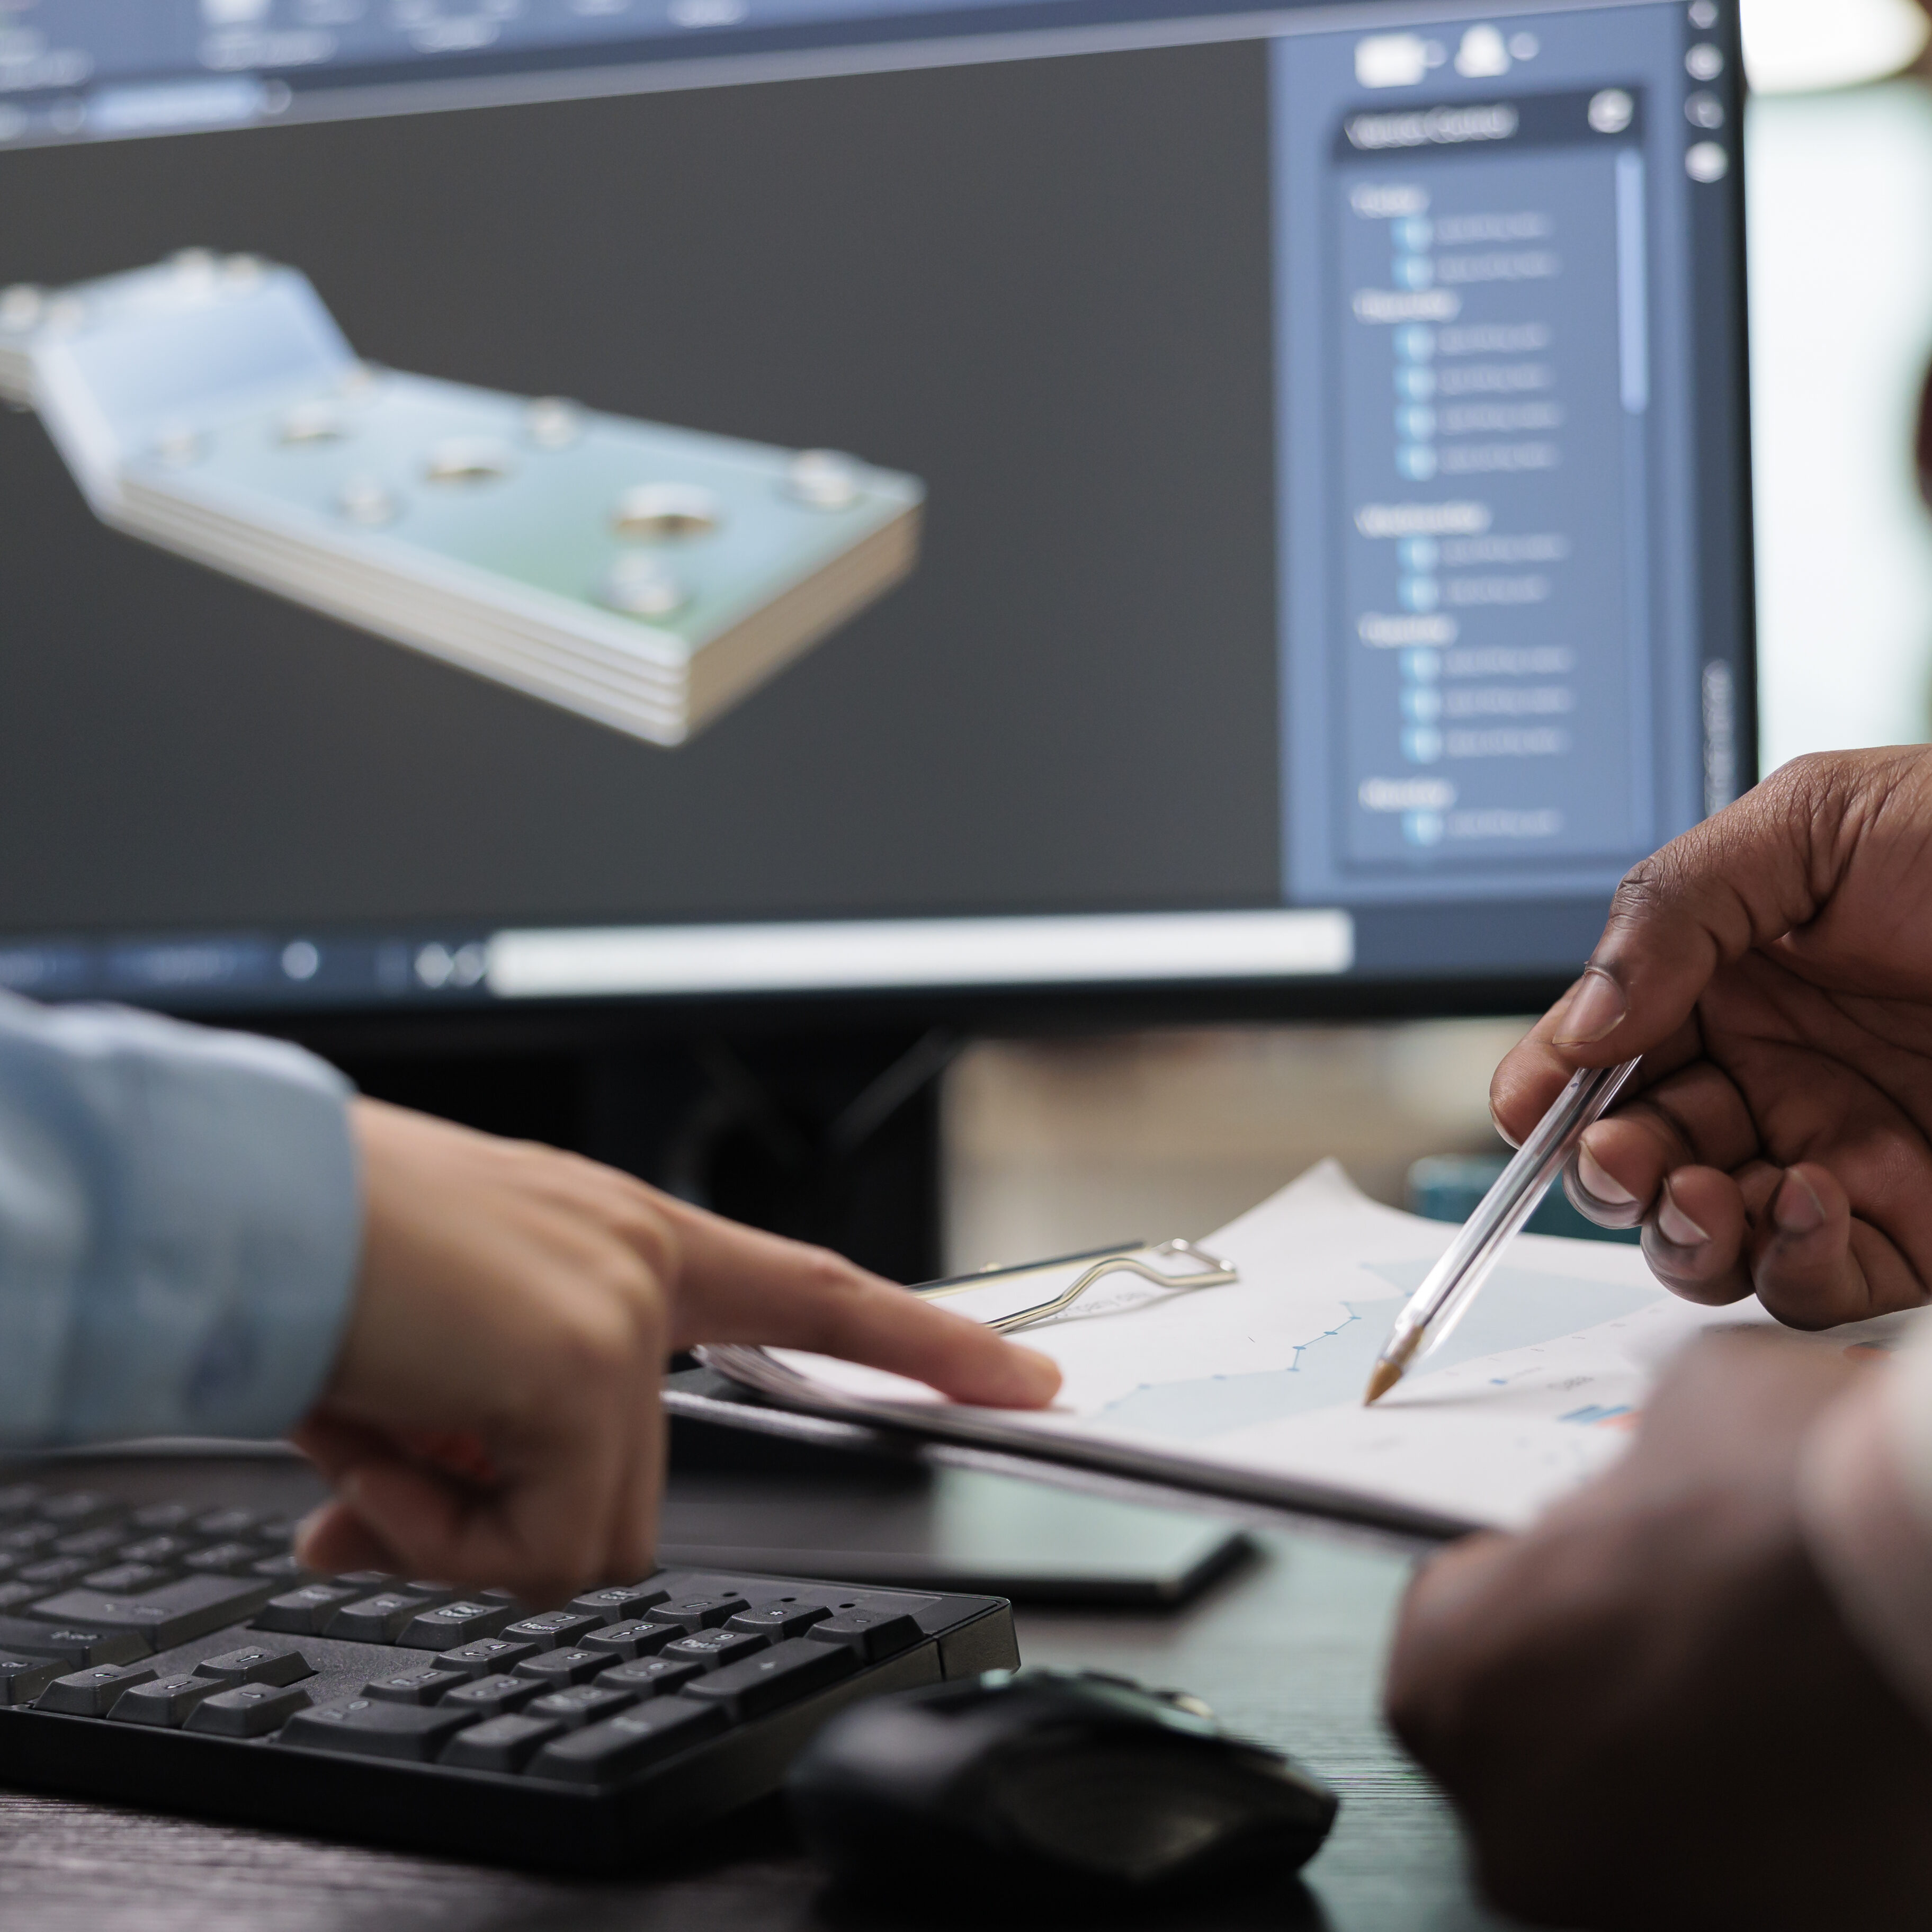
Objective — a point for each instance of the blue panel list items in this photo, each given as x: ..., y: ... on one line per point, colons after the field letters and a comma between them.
x: 1488, y: 487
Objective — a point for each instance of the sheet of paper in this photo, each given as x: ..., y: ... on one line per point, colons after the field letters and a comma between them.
x: 1537, y: 1389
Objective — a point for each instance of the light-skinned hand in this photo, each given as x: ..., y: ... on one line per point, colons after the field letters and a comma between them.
x: 494, y: 1417
x: 1774, y: 967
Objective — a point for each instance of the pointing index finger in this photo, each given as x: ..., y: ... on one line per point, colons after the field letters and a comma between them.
x: 738, y: 1284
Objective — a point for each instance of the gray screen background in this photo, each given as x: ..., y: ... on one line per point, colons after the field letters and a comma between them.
x: 1042, y: 287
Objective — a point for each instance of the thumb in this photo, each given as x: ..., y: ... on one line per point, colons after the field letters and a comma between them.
x: 1755, y: 872
x: 1746, y: 877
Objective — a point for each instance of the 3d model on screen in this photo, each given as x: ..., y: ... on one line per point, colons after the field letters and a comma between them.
x: 643, y: 576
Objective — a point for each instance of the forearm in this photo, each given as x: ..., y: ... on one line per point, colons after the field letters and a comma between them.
x: 179, y: 1224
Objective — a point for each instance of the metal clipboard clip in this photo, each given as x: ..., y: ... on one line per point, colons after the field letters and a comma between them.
x: 1123, y: 1258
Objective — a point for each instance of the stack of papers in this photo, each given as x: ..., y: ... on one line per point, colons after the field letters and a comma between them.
x: 643, y: 576
x: 1254, y: 1390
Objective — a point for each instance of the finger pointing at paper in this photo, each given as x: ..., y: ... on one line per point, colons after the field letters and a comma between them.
x: 517, y: 1305
x: 1774, y: 966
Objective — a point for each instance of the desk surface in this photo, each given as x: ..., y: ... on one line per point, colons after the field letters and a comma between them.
x: 1288, y: 1649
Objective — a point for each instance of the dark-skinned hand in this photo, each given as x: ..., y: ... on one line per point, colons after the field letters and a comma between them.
x: 1647, y: 1708
x: 1774, y: 967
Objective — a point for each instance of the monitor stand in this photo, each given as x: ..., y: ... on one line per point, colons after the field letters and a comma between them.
x: 832, y: 1137
x: 828, y: 1136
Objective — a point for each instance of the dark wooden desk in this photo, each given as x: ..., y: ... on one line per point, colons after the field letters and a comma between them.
x: 1288, y: 1649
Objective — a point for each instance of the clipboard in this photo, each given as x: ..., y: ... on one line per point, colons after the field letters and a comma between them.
x: 1298, y: 1255
x: 718, y: 1393
x: 1200, y: 1269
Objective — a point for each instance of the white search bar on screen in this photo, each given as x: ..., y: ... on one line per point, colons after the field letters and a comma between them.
x: 870, y: 954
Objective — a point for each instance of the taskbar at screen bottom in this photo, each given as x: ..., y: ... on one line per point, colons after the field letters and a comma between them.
x: 327, y: 968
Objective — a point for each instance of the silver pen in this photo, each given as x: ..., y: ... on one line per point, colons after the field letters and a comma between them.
x: 1434, y: 1309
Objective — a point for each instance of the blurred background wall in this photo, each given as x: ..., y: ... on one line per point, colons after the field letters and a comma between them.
x: 1840, y: 186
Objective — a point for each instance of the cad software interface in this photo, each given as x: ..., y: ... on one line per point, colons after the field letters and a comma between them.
x: 512, y: 499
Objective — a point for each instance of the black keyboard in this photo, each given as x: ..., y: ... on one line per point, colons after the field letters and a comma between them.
x: 175, y: 1656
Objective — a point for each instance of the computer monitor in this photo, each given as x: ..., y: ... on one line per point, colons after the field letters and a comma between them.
x: 535, y: 504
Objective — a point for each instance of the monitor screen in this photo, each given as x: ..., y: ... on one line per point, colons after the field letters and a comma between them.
x: 549, y: 500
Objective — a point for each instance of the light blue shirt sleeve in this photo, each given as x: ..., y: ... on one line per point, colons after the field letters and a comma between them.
x: 180, y: 1220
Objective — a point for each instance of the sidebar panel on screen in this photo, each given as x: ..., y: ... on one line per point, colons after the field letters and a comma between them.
x: 1489, y: 653
x: 1493, y: 347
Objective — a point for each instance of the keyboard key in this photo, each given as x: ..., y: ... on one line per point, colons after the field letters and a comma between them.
x: 873, y: 1634
x: 622, y: 1603
x: 633, y: 1639
x: 697, y: 1613
x: 23, y: 1678
x: 711, y: 1648
x: 559, y: 1667
x: 650, y: 1676
x: 449, y: 1625
x: 581, y: 1704
x: 222, y: 1524
x: 90, y: 1542
x: 51, y: 1571
x: 276, y: 1529
x: 492, y: 1696
x: 77, y: 1509
x: 221, y: 1558
x: 169, y: 1614
x: 282, y: 1569
x: 378, y: 1619
x: 303, y: 1612
x: 777, y: 1676
x: 629, y: 1742
x: 12, y: 1595
x: 29, y: 1536
x: 167, y: 1700
x: 125, y: 1579
x: 414, y: 1686
x: 247, y: 1710
x: 19, y: 1498
x: 366, y: 1583
x: 257, y: 1664
x: 775, y: 1622
x: 486, y: 1657
x: 78, y: 1645
x: 161, y: 1515
x: 165, y: 1552
x: 372, y: 1728
x: 91, y: 1693
x: 553, y: 1630
x: 498, y: 1744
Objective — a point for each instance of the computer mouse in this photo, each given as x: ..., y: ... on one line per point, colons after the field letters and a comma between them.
x: 1031, y: 1783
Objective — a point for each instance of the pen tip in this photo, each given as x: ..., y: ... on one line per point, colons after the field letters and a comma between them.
x: 1386, y: 1376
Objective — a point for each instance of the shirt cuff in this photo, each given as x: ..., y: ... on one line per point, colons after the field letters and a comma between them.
x: 240, y: 1230
x: 1868, y: 1533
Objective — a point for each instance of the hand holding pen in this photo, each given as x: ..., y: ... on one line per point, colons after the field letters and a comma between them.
x: 1451, y: 1286
x: 1773, y: 966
